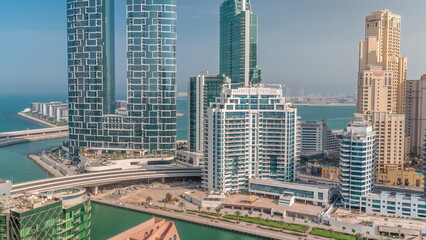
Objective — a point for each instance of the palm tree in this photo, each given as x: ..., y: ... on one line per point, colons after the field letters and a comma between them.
x: 238, y: 213
x: 148, y: 199
x: 343, y: 228
x: 208, y: 208
x: 199, y: 209
x: 353, y: 231
x: 181, y: 205
x: 164, y: 201
x: 217, y: 211
x: 331, y: 233
x: 282, y: 222
x: 259, y: 217
x: 294, y: 219
x: 250, y: 212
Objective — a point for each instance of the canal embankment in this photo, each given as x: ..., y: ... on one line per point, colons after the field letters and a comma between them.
x: 45, y: 165
x: 228, y: 226
x: 36, y: 119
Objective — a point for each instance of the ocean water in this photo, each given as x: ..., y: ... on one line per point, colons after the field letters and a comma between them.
x: 337, y: 117
x: 14, y: 103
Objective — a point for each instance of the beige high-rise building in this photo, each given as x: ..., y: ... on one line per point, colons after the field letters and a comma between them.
x: 416, y: 114
x: 381, y: 87
x: 382, y: 47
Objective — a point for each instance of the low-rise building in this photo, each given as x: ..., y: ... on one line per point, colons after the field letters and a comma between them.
x: 188, y: 157
x: 395, y: 204
x: 153, y: 229
x: 60, y: 214
x: 288, y: 193
x: 408, y: 177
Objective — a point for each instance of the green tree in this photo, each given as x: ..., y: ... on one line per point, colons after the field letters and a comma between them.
x: 148, y: 199
x: 168, y: 197
x: 259, y: 218
x: 282, y: 221
x: 353, y: 231
x: 181, y: 206
x: 294, y: 219
x: 343, y: 228
x: 199, y: 209
x: 217, y: 209
x: 238, y: 214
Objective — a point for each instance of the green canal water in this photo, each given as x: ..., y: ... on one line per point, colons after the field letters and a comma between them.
x: 108, y: 221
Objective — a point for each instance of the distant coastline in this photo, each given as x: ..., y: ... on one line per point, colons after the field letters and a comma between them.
x: 326, y: 104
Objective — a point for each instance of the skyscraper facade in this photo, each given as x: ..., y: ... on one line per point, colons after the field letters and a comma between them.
x: 381, y: 87
x: 90, y: 69
x: 416, y: 114
x: 150, y: 125
x: 203, y: 90
x: 358, y: 161
x: 251, y: 132
x: 151, y: 72
x: 238, y: 43
x: 382, y: 47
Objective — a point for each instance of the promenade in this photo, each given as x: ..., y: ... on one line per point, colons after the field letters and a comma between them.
x: 242, y: 227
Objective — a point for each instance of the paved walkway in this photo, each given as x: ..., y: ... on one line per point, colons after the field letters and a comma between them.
x: 245, y: 228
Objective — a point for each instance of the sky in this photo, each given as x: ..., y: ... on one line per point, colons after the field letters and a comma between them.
x: 310, y: 44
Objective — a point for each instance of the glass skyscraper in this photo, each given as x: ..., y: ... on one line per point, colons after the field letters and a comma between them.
x: 90, y: 69
x: 238, y: 43
x: 150, y: 125
x: 203, y: 90
x: 151, y: 71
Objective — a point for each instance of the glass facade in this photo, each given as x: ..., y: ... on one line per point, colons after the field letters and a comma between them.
x: 203, y: 90
x: 90, y: 69
x: 49, y: 222
x: 151, y: 61
x: 151, y: 72
x: 238, y: 43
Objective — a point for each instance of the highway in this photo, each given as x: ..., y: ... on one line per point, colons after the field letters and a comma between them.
x: 33, y: 132
x: 103, y: 178
x: 10, y: 138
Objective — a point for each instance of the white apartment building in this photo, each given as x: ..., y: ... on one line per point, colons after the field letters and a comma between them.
x: 358, y: 162
x: 250, y: 133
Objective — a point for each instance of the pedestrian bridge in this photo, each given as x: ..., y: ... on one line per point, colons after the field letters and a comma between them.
x: 104, y: 178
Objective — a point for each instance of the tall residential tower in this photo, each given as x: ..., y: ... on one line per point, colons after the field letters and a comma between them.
x: 151, y: 72
x: 90, y: 69
x: 238, y: 43
x: 381, y: 87
x: 250, y: 133
x: 150, y: 126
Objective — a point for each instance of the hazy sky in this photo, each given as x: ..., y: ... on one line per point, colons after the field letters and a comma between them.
x: 302, y: 43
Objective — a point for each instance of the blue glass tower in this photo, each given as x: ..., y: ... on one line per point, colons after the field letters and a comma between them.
x: 238, y: 43
x: 151, y: 72
x: 90, y: 69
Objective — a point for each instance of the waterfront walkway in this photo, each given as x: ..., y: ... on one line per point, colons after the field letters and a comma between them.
x: 242, y: 227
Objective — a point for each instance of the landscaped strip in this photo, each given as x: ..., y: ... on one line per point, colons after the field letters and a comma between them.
x: 336, y: 235
x: 270, y: 223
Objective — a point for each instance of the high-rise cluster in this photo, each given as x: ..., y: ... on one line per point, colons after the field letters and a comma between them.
x: 150, y: 124
x: 381, y: 87
x: 243, y: 129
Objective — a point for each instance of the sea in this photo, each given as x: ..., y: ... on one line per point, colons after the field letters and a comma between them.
x: 108, y: 221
